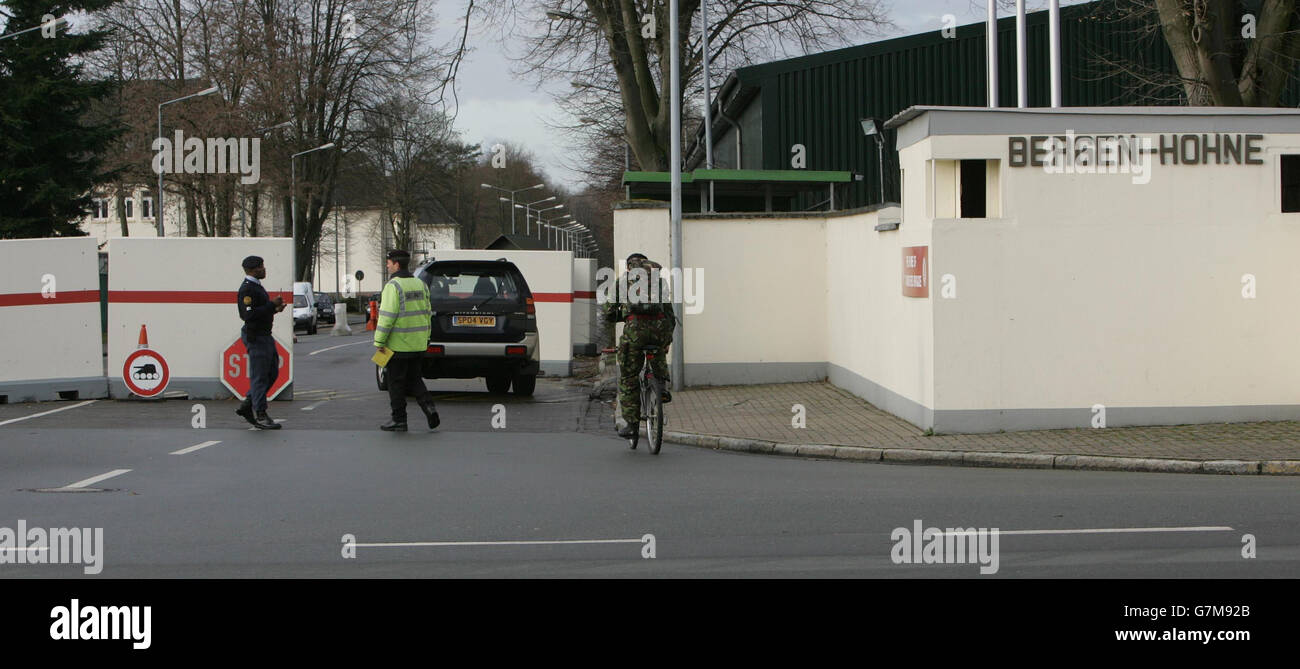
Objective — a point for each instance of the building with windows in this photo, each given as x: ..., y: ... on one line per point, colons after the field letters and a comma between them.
x: 813, y: 106
x: 1047, y: 268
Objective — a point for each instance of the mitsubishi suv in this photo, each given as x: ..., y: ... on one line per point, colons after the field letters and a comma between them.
x: 484, y: 325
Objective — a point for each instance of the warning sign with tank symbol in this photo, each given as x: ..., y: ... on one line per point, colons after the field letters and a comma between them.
x: 145, y: 371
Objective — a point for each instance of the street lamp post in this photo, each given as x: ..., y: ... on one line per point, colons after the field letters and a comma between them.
x: 293, y: 197
x: 159, y: 214
x: 60, y: 22
x: 512, y: 199
x: 675, y: 206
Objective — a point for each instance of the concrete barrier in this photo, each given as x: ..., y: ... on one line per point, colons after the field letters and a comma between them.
x: 50, y: 321
x: 585, y: 320
x: 185, y: 291
x: 341, y: 327
x: 550, y: 277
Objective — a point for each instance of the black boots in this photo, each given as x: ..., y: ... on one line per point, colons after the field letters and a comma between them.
x: 260, y: 421
x: 430, y: 413
x: 393, y: 426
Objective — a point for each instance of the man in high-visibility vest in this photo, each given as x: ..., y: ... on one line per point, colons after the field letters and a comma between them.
x: 405, y: 318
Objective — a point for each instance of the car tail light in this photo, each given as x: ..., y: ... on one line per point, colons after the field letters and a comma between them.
x: 435, y: 349
x: 528, y: 302
x: 516, y: 350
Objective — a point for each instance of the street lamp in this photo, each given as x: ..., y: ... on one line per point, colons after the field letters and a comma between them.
x: 512, y: 199
x: 872, y: 128
x: 527, y: 207
x: 159, y: 213
x: 293, y: 197
x: 60, y: 22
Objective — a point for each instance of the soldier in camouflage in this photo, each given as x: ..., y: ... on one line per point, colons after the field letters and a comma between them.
x: 646, y: 322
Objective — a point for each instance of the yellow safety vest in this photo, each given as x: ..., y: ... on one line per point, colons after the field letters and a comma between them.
x: 404, y: 315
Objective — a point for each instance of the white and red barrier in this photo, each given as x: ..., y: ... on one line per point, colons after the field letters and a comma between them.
x: 50, y: 321
x: 184, y: 290
x: 585, y: 319
x: 550, y: 277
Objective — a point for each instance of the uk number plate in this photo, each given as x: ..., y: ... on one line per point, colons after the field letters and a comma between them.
x: 474, y: 321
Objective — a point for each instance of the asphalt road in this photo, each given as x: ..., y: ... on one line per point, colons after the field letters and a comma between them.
x: 548, y: 496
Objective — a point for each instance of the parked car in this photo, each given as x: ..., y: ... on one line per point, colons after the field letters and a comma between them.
x: 325, y: 309
x: 304, y: 309
x: 484, y: 325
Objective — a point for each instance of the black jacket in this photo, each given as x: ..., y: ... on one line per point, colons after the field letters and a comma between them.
x: 255, y: 308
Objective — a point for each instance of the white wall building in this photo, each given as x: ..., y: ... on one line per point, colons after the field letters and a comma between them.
x: 1146, y: 280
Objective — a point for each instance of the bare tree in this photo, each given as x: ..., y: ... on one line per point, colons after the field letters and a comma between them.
x: 615, y: 52
x: 1225, y: 53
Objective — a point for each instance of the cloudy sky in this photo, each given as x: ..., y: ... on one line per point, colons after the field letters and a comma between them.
x: 495, y: 106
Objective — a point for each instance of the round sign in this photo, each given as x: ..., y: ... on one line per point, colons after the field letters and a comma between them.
x: 360, y: 275
x: 235, y: 368
x: 145, y: 372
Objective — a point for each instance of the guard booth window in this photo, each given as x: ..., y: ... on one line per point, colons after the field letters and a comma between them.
x: 973, y: 189
x: 964, y: 188
x: 1291, y: 183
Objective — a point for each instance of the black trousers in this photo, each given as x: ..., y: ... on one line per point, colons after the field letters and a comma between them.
x: 263, y: 368
x: 404, y: 378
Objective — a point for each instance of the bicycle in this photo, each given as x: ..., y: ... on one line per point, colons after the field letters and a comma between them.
x: 652, y: 403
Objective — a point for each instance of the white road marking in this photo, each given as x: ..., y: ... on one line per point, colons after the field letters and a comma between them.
x: 46, y: 413
x: 97, y: 479
x: 195, y: 447
x: 331, y: 348
x: 309, y: 407
x: 1106, y: 530
x: 409, y: 544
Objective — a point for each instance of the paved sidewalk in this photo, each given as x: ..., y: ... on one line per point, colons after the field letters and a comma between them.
x: 758, y: 419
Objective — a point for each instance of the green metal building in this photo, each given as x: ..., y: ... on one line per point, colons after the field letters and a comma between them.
x: 819, y: 100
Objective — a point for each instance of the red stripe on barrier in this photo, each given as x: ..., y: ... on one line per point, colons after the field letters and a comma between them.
x: 60, y: 297
x: 585, y: 294
x: 181, y: 296
x: 552, y: 297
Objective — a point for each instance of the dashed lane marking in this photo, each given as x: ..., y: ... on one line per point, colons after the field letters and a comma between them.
x: 195, y: 447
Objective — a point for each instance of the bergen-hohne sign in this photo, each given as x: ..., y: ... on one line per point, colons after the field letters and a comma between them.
x: 1105, y: 150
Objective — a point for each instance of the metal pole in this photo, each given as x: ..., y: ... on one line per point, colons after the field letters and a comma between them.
x: 880, y: 153
x: 708, y: 93
x: 675, y: 141
x: 293, y: 210
x: 159, y: 214
x: 1022, y: 58
x: 512, y: 213
x: 1054, y: 39
x: 991, y: 36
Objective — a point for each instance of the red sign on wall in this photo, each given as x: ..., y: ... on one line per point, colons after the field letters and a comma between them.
x: 916, y: 271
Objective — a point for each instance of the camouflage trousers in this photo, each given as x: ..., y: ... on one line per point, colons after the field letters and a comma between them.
x: 635, y: 335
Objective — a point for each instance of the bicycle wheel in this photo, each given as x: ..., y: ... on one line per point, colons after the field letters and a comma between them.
x: 654, y: 416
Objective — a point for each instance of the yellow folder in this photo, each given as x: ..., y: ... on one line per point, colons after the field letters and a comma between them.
x: 382, y: 356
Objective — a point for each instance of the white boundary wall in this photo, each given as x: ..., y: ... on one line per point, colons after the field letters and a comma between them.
x: 185, y: 291
x: 550, y: 277
x: 1166, y: 302
x: 54, y: 344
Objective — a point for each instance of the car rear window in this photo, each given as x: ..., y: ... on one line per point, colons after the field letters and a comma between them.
x: 450, y: 285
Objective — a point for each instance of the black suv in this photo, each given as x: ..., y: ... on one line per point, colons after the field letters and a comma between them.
x: 484, y: 324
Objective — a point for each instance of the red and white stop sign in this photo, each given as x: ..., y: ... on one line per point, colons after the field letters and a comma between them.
x: 235, y: 368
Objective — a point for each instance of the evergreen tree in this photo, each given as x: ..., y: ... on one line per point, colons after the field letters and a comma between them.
x: 51, y: 146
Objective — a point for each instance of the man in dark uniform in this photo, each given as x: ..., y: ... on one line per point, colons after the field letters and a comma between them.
x: 257, y: 310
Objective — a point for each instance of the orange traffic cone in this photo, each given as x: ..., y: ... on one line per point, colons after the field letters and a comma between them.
x: 144, y: 337
x: 374, y: 316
